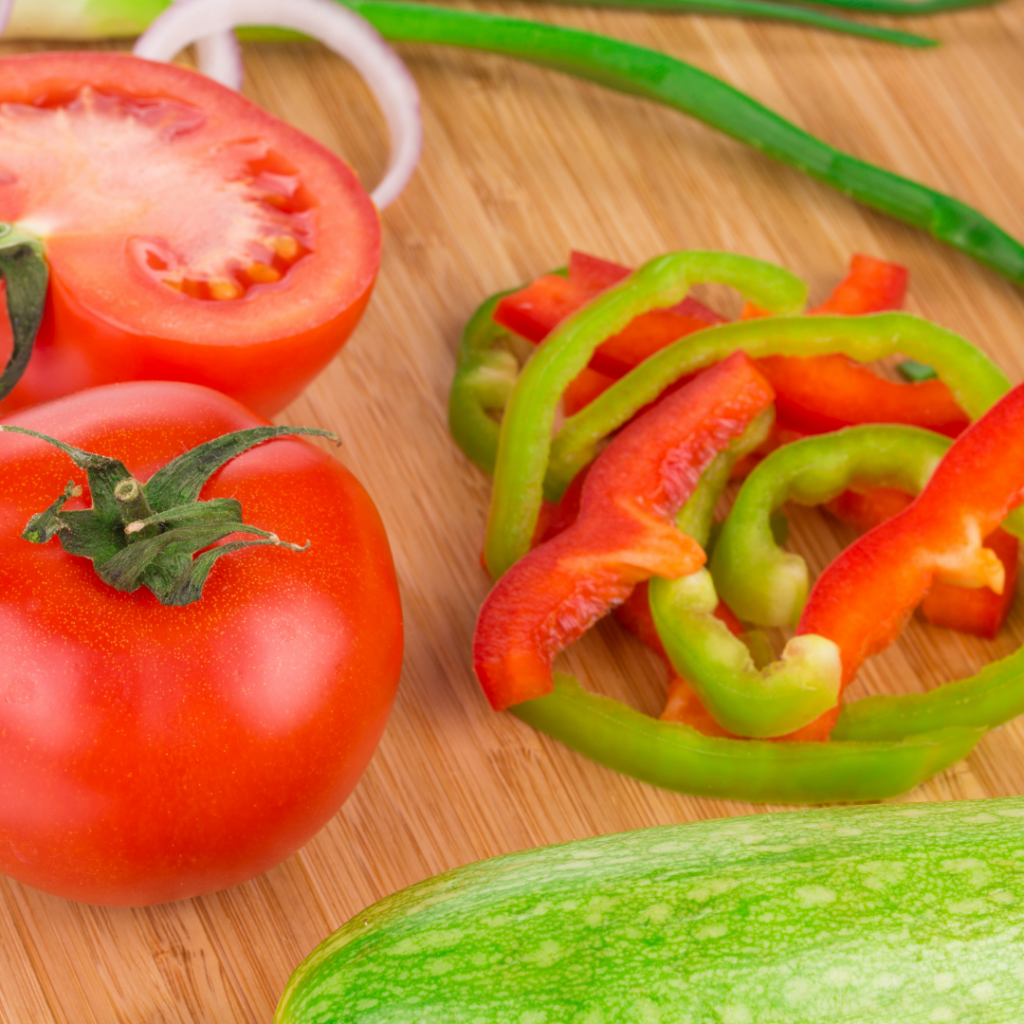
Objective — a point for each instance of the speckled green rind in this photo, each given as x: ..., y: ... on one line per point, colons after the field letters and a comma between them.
x: 882, y: 915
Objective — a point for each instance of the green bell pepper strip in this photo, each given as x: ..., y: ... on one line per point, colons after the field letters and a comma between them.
x: 696, y: 517
x: 776, y: 700
x: 988, y: 699
x: 719, y: 666
x: 639, y: 71
x: 484, y: 379
x: 976, y: 382
x: 677, y: 757
x: 525, y: 436
x: 759, y: 581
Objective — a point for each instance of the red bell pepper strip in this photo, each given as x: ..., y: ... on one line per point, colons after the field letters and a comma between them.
x: 683, y: 706
x: 864, y: 597
x: 634, y: 614
x: 826, y: 393
x: 864, y: 510
x: 624, y: 532
x: 594, y: 273
x: 534, y: 311
x: 583, y: 389
x: 870, y: 286
x: 651, y: 333
x: 563, y: 513
x: 977, y: 610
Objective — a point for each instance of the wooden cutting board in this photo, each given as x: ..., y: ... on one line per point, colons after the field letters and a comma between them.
x: 520, y: 166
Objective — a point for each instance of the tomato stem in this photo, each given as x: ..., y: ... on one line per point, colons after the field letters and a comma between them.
x: 150, y: 534
x: 23, y: 268
x: 134, y: 510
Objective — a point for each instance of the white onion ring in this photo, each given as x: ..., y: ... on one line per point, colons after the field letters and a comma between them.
x: 220, y: 58
x: 6, y: 6
x: 342, y: 30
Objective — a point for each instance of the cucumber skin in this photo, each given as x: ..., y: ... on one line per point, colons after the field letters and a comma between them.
x: 889, y: 915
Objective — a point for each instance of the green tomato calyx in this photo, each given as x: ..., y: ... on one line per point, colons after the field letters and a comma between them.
x: 152, y: 534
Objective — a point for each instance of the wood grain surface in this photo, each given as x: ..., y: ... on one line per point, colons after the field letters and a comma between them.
x: 521, y: 165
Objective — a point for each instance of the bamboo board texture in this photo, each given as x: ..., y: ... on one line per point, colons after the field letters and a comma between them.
x: 520, y: 165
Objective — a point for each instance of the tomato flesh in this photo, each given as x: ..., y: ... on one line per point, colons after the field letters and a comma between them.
x: 190, y: 235
x: 152, y: 753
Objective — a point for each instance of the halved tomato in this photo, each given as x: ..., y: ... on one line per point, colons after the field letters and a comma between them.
x: 190, y: 235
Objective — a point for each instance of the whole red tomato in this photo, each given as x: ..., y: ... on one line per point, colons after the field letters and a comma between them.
x: 189, y: 234
x: 151, y: 753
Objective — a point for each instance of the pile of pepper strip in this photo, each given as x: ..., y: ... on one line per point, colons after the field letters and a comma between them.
x: 665, y: 402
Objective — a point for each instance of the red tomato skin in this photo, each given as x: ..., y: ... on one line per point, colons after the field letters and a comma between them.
x: 107, y: 320
x: 78, y: 348
x: 150, y: 754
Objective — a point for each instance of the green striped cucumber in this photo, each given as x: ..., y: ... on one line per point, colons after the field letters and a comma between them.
x: 888, y: 915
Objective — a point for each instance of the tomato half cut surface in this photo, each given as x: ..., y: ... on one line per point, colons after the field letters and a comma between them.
x: 151, y: 752
x: 189, y: 234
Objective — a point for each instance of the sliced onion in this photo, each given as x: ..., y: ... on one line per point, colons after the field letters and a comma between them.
x: 6, y: 6
x: 342, y: 30
x: 220, y: 58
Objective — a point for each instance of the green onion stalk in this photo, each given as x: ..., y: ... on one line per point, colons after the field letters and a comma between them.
x: 98, y: 19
